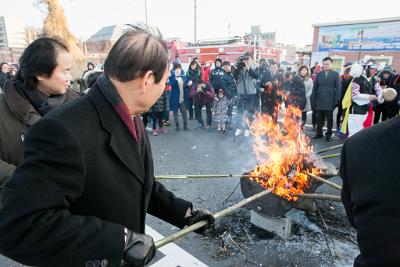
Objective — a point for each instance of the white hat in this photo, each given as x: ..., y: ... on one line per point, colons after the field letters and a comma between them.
x: 389, y: 94
x: 356, y: 70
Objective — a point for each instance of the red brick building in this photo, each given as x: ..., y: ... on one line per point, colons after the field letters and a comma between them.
x: 346, y: 41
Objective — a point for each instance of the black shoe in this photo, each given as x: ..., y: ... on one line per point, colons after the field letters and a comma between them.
x: 317, y: 136
x: 177, y: 128
x: 185, y: 128
x: 327, y: 138
x: 191, y: 118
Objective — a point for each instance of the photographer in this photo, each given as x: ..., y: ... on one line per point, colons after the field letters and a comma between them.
x: 246, y: 79
x: 203, y: 94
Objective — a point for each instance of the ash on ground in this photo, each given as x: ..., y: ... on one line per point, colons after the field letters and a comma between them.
x: 310, y: 242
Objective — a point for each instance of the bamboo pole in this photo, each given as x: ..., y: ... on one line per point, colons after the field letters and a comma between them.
x: 321, y: 196
x: 198, y: 176
x: 332, y: 184
x: 328, y: 149
x: 331, y: 156
x: 210, y: 176
x: 217, y: 215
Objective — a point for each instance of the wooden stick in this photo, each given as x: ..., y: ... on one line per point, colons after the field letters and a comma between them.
x: 328, y: 149
x: 320, y: 196
x: 217, y: 215
x: 331, y: 156
x: 332, y: 184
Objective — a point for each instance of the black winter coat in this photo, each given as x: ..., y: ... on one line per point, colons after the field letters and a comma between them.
x: 297, y: 92
x: 326, y: 92
x: 194, y: 75
x: 82, y: 181
x: 229, y: 85
x: 216, y: 78
x: 162, y: 103
x: 370, y: 194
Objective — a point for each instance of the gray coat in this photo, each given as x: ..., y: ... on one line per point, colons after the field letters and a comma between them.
x: 220, y: 110
x: 326, y: 91
x: 246, y: 82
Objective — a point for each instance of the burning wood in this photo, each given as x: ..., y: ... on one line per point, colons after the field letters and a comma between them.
x: 284, y: 153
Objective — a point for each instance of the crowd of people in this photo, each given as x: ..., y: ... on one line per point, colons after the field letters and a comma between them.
x: 265, y: 88
x: 218, y: 87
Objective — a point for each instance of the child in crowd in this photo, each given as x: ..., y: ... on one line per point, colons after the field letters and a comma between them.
x: 157, y: 113
x: 221, y: 110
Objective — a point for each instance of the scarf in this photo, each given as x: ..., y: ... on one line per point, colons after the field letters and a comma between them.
x: 42, y: 102
x: 133, y: 124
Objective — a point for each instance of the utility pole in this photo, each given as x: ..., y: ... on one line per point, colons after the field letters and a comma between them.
x: 195, y: 21
x: 145, y: 10
x: 229, y: 30
x: 361, y: 34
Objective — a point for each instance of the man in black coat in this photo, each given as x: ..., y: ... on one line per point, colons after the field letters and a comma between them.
x: 370, y: 194
x: 325, y: 97
x: 81, y: 195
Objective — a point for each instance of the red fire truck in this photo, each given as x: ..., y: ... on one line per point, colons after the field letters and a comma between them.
x: 225, y: 49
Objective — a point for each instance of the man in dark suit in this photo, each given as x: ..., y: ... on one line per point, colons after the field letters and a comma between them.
x: 81, y: 195
x: 370, y: 194
x: 325, y: 97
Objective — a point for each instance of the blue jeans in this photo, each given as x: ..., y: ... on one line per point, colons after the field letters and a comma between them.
x: 245, y: 106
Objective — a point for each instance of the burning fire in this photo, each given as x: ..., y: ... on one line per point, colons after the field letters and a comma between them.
x: 284, y: 153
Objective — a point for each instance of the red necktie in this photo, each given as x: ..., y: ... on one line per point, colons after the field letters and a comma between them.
x: 139, y: 129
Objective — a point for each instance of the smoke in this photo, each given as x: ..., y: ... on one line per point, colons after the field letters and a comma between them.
x: 56, y: 24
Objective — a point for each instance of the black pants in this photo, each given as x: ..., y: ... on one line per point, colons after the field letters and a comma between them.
x: 208, y: 112
x: 314, y: 118
x: 191, y: 102
x: 321, y: 114
x: 304, y: 117
x: 339, y: 114
x: 157, y: 116
x: 146, y: 117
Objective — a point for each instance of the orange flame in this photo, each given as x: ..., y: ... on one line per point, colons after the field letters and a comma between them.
x: 284, y: 153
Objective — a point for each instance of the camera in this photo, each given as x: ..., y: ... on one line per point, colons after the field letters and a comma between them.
x: 240, y: 62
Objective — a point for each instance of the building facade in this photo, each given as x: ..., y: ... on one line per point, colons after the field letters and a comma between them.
x: 98, y: 45
x: 353, y: 41
x: 14, y: 38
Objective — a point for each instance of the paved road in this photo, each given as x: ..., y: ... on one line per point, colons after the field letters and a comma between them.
x: 235, y: 242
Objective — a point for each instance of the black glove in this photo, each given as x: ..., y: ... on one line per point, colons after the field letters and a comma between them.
x: 139, y: 250
x: 199, y: 215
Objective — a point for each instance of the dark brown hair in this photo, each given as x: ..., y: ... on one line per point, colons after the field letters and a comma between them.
x: 140, y: 49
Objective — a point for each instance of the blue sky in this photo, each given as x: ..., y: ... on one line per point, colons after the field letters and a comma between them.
x: 291, y: 19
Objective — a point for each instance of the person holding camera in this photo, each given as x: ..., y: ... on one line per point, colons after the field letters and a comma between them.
x: 203, y: 94
x: 246, y: 78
